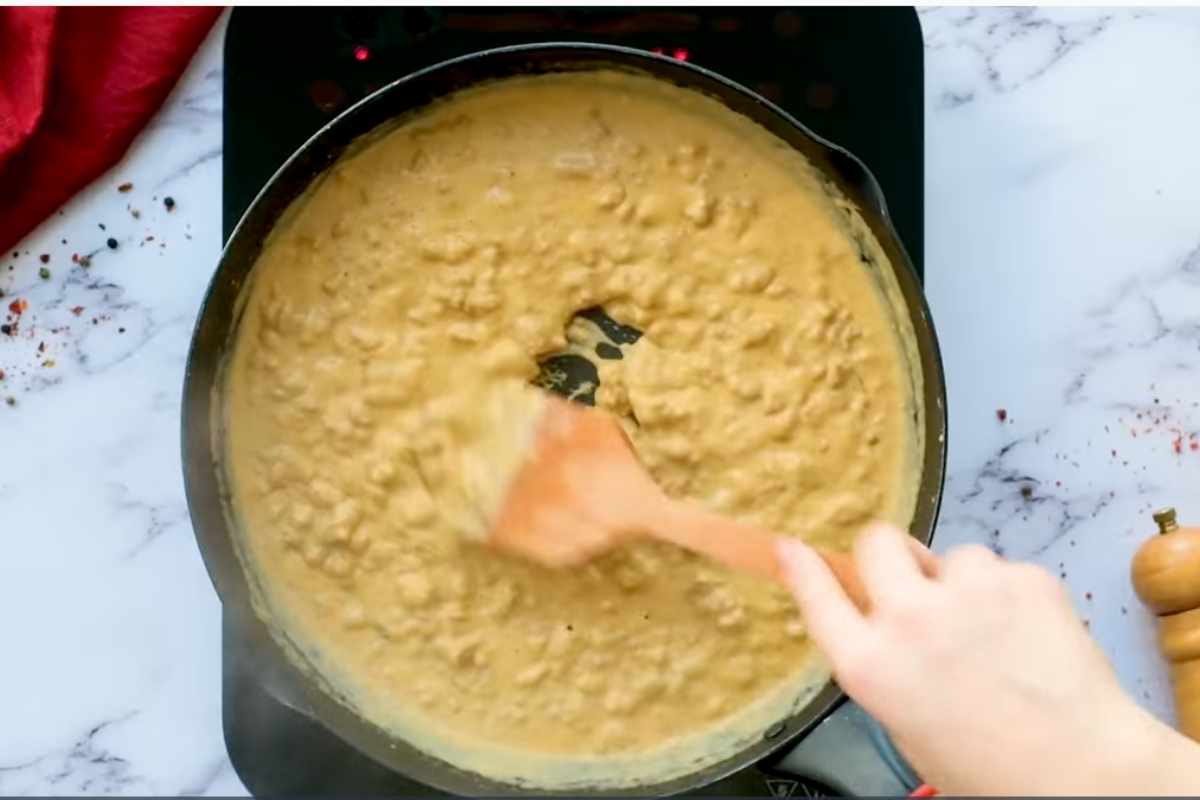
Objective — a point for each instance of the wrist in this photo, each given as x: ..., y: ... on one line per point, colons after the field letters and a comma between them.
x: 1147, y: 757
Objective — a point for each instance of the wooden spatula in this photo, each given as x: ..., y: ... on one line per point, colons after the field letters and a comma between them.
x: 579, y: 491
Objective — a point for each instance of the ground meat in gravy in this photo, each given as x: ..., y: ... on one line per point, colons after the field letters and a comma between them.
x: 452, y: 252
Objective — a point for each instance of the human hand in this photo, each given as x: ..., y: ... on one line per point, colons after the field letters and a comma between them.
x: 983, y: 674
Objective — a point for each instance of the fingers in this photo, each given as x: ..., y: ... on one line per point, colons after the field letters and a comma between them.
x: 833, y: 621
x: 929, y: 564
x: 967, y: 562
x: 888, y: 563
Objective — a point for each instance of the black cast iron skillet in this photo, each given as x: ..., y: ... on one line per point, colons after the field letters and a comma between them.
x: 220, y: 313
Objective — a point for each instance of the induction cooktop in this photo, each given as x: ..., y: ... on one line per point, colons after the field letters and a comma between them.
x: 852, y: 75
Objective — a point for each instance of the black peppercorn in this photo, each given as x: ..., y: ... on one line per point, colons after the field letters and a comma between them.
x: 112, y: 243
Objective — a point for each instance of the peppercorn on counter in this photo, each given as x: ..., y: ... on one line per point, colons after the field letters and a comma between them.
x: 443, y: 258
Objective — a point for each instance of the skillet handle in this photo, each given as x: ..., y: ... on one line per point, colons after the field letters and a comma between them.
x: 848, y: 754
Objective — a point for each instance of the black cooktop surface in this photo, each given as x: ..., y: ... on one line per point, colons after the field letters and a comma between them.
x: 852, y: 75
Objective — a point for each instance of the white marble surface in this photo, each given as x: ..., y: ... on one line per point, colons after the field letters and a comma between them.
x: 1063, y: 270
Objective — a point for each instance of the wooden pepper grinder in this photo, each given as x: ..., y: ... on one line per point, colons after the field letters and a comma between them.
x: 1166, y: 576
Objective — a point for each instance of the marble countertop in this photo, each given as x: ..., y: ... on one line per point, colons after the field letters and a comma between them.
x: 1063, y: 272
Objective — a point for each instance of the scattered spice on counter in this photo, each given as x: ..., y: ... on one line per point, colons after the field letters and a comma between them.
x: 124, y: 187
x: 49, y: 362
x: 12, y: 401
x: 1124, y: 610
x: 1177, y: 444
x: 44, y: 274
x: 77, y: 310
x: 120, y: 330
x: 101, y: 224
x: 112, y: 243
x: 44, y: 258
x: 15, y: 309
x: 1027, y: 492
x: 1001, y: 414
x: 1087, y: 596
x: 85, y: 261
x: 169, y: 202
x: 1, y: 374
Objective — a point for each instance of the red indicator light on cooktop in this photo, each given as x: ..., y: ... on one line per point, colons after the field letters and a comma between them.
x: 362, y: 52
x: 681, y: 53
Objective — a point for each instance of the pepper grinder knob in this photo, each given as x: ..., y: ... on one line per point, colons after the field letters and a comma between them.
x: 1166, y: 576
x: 1165, y: 518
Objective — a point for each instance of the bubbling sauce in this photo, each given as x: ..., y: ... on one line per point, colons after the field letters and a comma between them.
x: 442, y: 258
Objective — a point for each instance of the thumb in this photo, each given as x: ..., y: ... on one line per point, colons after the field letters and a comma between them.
x: 833, y: 621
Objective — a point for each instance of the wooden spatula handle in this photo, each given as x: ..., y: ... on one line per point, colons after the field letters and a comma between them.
x: 843, y: 568
x: 743, y: 547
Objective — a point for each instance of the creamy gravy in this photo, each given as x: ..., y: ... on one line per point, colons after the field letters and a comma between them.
x: 442, y: 258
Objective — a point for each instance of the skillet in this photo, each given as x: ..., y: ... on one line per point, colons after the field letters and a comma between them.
x: 216, y: 329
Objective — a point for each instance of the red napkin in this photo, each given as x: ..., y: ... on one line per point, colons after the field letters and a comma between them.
x: 76, y: 86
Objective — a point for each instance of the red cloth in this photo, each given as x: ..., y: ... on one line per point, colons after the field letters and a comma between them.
x: 76, y: 86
